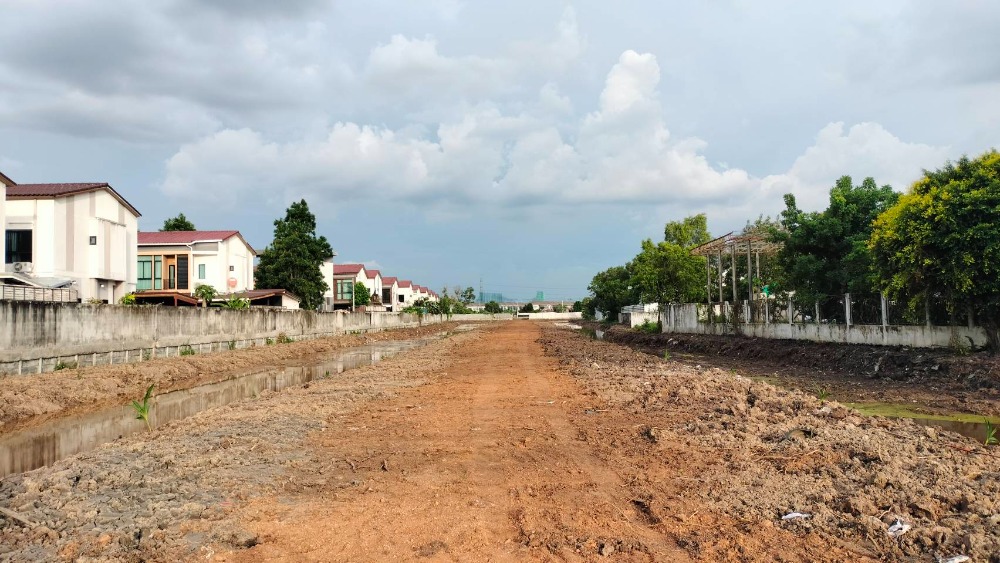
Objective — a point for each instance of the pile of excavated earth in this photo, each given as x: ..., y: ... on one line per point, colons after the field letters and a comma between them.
x: 761, y: 453
x: 516, y: 441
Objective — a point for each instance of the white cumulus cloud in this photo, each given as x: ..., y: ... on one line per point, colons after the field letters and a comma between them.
x: 621, y: 153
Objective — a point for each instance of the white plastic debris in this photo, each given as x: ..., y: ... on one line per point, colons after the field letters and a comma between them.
x: 898, y: 528
x: 796, y: 516
x: 954, y: 559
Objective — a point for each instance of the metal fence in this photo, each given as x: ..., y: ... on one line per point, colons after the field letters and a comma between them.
x: 44, y: 294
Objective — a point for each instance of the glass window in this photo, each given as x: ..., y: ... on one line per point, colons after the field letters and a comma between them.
x: 201, y: 271
x: 157, y: 272
x: 345, y: 289
x: 144, y: 273
x: 18, y: 246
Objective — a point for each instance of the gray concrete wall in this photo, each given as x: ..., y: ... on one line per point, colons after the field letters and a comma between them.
x: 30, y: 332
x: 483, y: 317
x: 683, y: 318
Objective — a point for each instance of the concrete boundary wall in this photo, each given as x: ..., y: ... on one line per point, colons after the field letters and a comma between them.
x: 483, y: 317
x: 683, y: 318
x: 35, y: 337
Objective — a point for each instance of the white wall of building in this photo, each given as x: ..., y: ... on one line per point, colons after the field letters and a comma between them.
x: 227, y: 265
x: 62, y: 231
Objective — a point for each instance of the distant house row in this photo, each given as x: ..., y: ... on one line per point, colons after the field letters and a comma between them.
x: 80, y: 242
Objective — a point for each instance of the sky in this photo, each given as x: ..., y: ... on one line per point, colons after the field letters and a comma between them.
x: 522, y: 145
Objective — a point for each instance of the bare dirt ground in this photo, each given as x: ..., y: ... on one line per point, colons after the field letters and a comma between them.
x: 939, y: 381
x: 516, y: 442
x: 28, y: 400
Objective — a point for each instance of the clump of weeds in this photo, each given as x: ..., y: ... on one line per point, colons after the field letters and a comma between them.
x: 269, y: 341
x: 232, y: 344
x: 187, y: 350
x: 822, y: 394
x: 142, y: 409
x: 284, y: 339
x: 61, y: 365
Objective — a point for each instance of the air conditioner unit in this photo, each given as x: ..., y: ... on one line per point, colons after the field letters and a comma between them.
x: 23, y: 267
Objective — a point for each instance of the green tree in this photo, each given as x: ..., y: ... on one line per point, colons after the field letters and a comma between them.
x: 179, y: 223
x: 206, y: 293
x: 468, y: 295
x: 577, y: 307
x: 361, y: 295
x: 559, y: 308
x: 668, y: 273
x: 613, y: 289
x: 293, y: 259
x: 943, y: 237
x: 826, y: 253
x: 528, y: 308
x: 688, y: 232
x: 492, y: 307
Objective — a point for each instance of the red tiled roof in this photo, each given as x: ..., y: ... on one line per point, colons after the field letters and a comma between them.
x: 347, y: 268
x: 388, y: 281
x: 373, y: 273
x: 5, y: 180
x: 183, y: 237
x: 405, y: 283
x: 32, y: 191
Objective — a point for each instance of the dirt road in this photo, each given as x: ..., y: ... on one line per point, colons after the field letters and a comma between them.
x: 496, y: 461
x: 518, y: 441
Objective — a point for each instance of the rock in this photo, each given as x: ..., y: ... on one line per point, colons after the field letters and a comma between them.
x: 606, y: 550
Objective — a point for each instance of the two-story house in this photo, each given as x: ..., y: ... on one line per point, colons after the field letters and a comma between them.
x: 180, y: 261
x: 341, y: 293
x: 390, y: 288
x: 78, y: 236
x: 404, y: 293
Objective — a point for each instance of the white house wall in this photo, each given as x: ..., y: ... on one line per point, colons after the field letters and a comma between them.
x: 61, y: 231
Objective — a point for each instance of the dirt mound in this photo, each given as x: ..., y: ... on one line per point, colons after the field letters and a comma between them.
x: 759, y: 453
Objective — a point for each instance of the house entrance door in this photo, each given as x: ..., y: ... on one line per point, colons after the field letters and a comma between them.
x: 171, y: 264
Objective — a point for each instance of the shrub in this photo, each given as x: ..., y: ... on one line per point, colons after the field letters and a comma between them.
x: 187, y: 350
x: 61, y: 365
x: 649, y: 327
x: 232, y: 344
x: 127, y: 299
x: 283, y: 338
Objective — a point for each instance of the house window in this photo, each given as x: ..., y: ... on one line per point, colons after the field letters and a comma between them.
x: 201, y: 271
x: 157, y: 272
x: 144, y: 274
x: 345, y: 290
x: 93, y: 240
x: 232, y: 268
x: 401, y: 298
x: 18, y: 246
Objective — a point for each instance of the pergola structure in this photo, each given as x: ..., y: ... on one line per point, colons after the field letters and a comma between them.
x: 751, y: 244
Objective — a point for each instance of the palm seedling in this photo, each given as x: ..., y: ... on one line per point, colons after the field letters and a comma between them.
x: 991, y: 434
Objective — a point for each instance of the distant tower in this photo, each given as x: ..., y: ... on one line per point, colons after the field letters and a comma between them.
x: 539, y: 296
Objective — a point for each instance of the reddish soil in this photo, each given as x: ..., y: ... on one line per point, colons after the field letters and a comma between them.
x: 518, y: 441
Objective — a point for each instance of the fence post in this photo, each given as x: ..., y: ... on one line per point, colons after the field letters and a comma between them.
x: 927, y: 309
x: 767, y: 310
x: 847, y: 309
x: 816, y: 320
x: 885, y: 311
x: 791, y: 312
